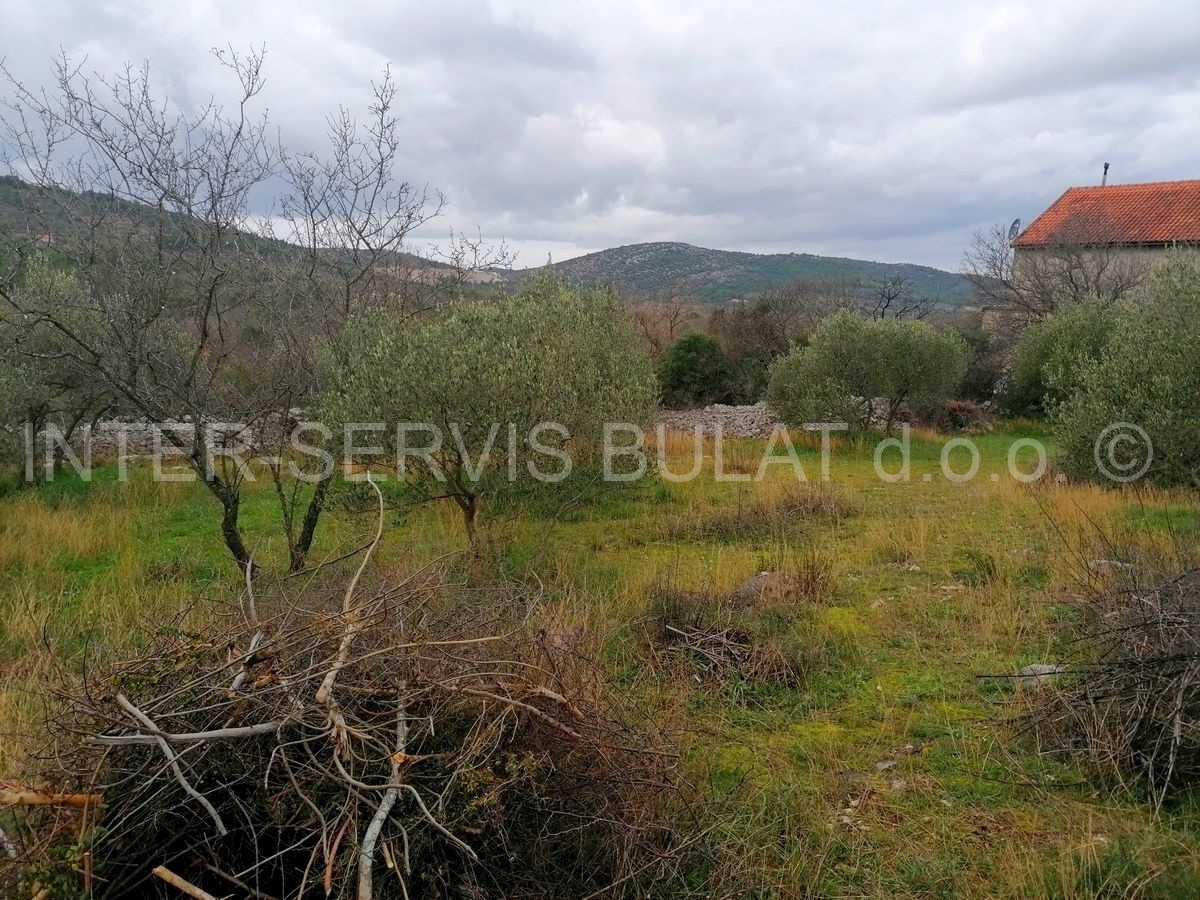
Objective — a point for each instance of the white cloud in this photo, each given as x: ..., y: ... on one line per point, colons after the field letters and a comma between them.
x: 883, y: 128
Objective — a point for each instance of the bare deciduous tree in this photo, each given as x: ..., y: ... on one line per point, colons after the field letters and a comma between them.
x: 662, y: 321
x: 895, y: 298
x: 194, y: 305
x: 1083, y: 261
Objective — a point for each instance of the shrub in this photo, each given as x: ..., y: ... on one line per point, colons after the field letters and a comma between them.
x: 1053, y: 351
x: 694, y: 371
x: 40, y: 384
x: 851, y: 360
x: 1146, y: 375
x: 960, y: 415
x: 985, y: 364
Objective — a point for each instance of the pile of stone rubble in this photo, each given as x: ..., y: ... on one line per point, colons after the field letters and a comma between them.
x: 735, y: 421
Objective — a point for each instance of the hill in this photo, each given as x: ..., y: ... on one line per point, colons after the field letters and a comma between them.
x: 27, y: 210
x: 651, y: 269
x: 715, y: 276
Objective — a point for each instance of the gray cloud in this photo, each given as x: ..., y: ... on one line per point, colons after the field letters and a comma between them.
x: 874, y: 129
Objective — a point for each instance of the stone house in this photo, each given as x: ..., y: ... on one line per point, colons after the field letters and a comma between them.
x: 1101, y: 240
x: 1096, y: 241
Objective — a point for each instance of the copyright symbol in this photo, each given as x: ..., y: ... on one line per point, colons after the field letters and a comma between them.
x: 1123, y: 452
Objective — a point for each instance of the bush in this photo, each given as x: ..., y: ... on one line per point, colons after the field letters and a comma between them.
x: 40, y: 384
x: 694, y: 371
x: 960, y: 415
x: 985, y: 365
x: 851, y: 360
x: 1146, y: 375
x: 1053, y: 351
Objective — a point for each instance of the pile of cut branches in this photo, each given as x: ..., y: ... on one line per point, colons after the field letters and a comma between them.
x: 1132, y: 703
x: 373, y: 740
x: 716, y: 641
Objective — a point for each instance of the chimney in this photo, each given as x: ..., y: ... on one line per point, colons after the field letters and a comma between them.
x: 1104, y: 178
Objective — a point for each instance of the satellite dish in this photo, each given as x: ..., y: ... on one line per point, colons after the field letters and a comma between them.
x: 1014, y: 229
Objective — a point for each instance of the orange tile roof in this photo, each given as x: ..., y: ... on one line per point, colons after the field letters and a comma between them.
x: 1160, y: 212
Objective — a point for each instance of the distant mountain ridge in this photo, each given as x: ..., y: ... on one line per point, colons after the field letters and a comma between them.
x: 715, y: 276
x: 636, y: 270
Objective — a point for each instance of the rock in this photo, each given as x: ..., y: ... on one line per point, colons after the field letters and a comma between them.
x: 732, y: 421
x: 137, y: 438
x: 1035, y: 675
x: 884, y: 764
x: 769, y: 587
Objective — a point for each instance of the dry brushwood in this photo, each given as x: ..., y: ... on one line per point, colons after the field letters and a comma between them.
x: 1131, y: 705
x: 407, y: 742
x: 715, y: 641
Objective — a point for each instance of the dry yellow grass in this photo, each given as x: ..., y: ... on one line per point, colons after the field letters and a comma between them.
x: 928, y: 584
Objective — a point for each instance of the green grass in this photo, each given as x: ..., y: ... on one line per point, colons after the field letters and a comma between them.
x: 930, y: 583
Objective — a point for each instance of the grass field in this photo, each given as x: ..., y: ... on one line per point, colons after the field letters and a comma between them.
x: 887, y: 772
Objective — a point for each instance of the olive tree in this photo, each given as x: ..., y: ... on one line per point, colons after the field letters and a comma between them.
x: 851, y: 360
x: 38, y: 385
x: 1146, y: 376
x: 1053, y: 352
x: 828, y: 378
x: 544, y: 369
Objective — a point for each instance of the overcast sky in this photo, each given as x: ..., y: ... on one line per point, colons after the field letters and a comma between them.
x: 875, y: 129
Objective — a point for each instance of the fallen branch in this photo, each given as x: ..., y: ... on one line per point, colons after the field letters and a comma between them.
x: 182, y: 884
x: 173, y: 761
x: 354, y: 619
x: 366, y: 854
x: 14, y: 796
x: 217, y: 734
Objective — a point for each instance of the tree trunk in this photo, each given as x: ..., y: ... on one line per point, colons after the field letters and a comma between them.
x: 231, y: 502
x: 469, y: 521
x: 891, y: 416
x: 893, y: 409
x: 35, y: 421
x: 232, y: 533
x: 469, y: 505
x: 308, y: 529
x: 60, y: 452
